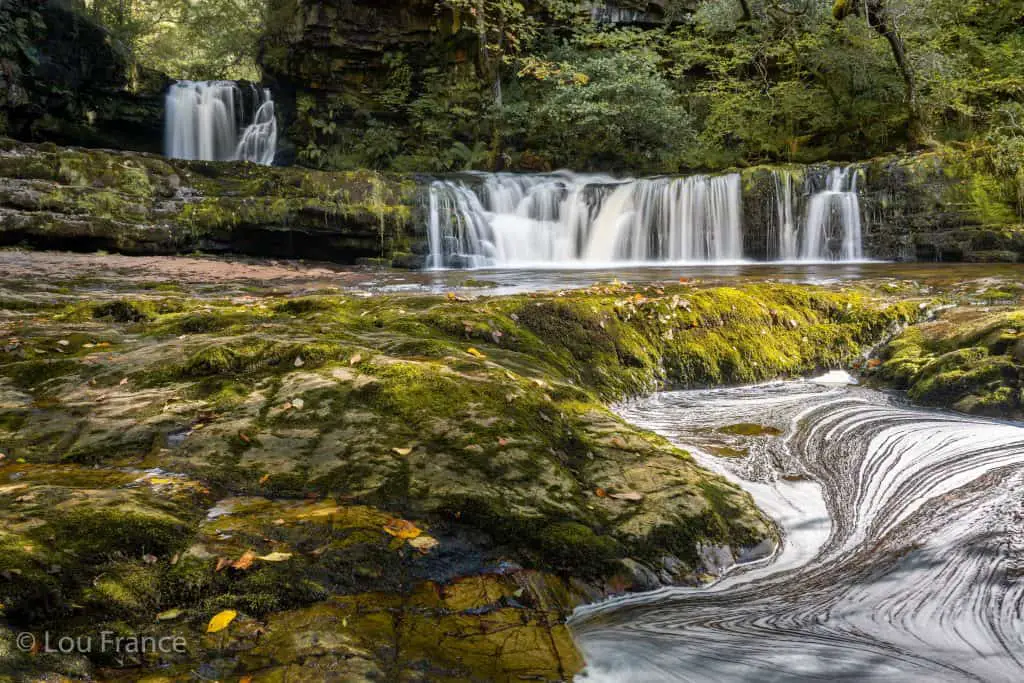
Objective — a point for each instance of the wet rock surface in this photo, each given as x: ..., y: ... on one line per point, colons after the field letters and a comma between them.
x: 402, y: 487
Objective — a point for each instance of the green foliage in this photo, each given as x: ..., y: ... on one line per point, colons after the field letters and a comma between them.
x: 616, y: 110
x: 199, y: 39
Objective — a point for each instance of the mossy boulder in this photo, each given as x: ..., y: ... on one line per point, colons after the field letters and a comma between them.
x: 968, y: 359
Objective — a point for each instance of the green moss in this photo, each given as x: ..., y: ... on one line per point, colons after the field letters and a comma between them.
x: 125, y: 311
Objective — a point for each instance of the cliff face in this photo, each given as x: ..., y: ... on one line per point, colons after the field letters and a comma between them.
x: 63, y: 78
x: 340, y: 68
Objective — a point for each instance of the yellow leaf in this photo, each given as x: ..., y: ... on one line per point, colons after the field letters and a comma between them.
x: 264, y: 479
x: 157, y: 481
x: 475, y: 353
x: 402, y: 451
x: 276, y: 557
x: 169, y: 615
x: 401, y: 528
x: 221, y: 621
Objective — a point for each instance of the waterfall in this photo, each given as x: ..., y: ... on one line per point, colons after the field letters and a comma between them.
x: 204, y: 120
x: 783, y: 236
x: 510, y: 220
x: 831, y: 226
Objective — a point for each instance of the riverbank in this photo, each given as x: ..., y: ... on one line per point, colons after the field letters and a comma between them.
x: 361, y: 470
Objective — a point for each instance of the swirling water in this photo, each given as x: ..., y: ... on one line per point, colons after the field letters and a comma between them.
x: 902, y: 555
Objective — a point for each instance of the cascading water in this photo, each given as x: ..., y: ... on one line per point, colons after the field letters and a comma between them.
x: 519, y: 220
x: 203, y: 120
x: 830, y: 229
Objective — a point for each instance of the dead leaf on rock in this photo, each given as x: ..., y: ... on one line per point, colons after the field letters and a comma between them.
x: 632, y: 496
x: 222, y: 562
x: 149, y: 558
x: 402, y: 528
x: 600, y: 493
x: 275, y: 557
x: 170, y: 614
x: 264, y: 479
x: 424, y: 544
x: 299, y: 362
x: 221, y: 621
x: 245, y: 561
x: 355, y: 359
x: 475, y: 353
x: 123, y: 381
x: 402, y: 451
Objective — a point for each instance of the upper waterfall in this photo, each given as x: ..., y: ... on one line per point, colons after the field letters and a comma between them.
x: 511, y: 220
x: 218, y: 121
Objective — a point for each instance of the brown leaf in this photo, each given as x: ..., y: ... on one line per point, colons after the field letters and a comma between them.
x: 264, y: 479
x: 245, y: 561
x: 222, y: 562
x: 123, y: 381
x: 355, y: 358
x: 244, y: 437
x: 631, y: 496
x: 600, y: 493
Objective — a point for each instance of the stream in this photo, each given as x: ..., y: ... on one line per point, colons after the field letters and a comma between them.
x: 902, y: 555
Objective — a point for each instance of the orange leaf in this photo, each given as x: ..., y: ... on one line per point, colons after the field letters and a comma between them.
x: 245, y: 561
x: 264, y: 479
x: 402, y: 528
x: 244, y: 437
x: 600, y: 493
x: 222, y: 562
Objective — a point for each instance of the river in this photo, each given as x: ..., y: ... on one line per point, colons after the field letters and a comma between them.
x: 902, y: 554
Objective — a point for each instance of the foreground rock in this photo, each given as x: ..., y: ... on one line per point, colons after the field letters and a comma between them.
x: 86, y: 200
x: 413, y: 488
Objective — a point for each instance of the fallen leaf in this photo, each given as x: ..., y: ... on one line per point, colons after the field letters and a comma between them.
x: 169, y: 614
x: 245, y: 561
x: 63, y: 342
x: 149, y: 558
x: 298, y: 403
x: 402, y: 451
x: 600, y: 493
x: 631, y: 496
x: 275, y: 557
x: 299, y: 362
x: 264, y: 479
x: 424, y: 544
x: 503, y: 441
x: 245, y: 679
x: 618, y: 442
x: 222, y: 562
x: 402, y: 528
x: 279, y: 521
x: 244, y: 437
x: 355, y: 359
x: 123, y: 381
x: 475, y: 353
x: 221, y: 621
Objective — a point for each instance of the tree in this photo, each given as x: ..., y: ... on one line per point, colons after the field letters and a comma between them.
x: 882, y: 18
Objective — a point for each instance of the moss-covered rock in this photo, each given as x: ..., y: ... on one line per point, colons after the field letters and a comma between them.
x: 969, y: 359
x: 375, y: 471
x: 77, y: 199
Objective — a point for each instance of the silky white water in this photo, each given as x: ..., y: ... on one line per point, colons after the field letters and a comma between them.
x: 569, y: 220
x: 902, y: 556
x: 207, y: 120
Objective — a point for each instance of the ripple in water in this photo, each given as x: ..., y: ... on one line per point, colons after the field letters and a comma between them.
x: 902, y: 558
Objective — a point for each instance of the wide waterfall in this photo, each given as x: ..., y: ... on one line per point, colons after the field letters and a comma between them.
x: 828, y: 229
x: 219, y: 121
x: 509, y: 220
x: 514, y: 221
